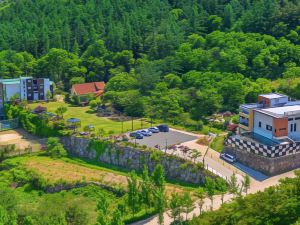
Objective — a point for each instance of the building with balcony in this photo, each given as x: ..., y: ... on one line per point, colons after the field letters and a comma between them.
x: 268, y: 138
x: 24, y: 88
x: 273, y: 117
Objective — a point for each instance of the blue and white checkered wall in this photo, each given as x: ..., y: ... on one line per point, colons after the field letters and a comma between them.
x: 264, y: 150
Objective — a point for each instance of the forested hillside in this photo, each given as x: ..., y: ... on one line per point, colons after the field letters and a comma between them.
x: 170, y: 60
x: 153, y: 27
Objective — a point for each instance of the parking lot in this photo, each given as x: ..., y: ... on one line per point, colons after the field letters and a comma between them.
x: 164, y: 139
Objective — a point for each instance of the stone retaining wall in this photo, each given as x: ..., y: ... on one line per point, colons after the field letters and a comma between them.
x: 266, y: 165
x: 134, y: 159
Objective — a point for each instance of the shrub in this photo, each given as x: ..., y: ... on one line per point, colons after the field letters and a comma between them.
x: 55, y: 149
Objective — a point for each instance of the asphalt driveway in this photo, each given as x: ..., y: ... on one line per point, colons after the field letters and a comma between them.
x: 164, y: 139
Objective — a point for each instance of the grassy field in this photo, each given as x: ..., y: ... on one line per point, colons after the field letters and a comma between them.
x: 218, y: 143
x: 73, y: 170
x: 89, y: 117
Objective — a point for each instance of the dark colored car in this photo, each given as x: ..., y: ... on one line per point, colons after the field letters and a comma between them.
x: 163, y: 128
x: 136, y: 135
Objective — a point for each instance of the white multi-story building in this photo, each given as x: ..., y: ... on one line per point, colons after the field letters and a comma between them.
x: 26, y: 88
x: 274, y: 117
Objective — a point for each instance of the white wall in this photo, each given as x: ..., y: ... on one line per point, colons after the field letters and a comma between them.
x: 265, y: 120
x: 294, y: 135
x: 11, y: 90
x: 47, y: 85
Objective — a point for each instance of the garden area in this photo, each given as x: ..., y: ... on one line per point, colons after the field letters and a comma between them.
x: 89, y: 116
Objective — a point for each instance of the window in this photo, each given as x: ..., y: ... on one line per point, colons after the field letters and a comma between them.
x: 291, y: 119
x: 259, y: 124
x: 295, y: 127
x: 297, y: 118
x: 268, y: 127
x: 291, y: 129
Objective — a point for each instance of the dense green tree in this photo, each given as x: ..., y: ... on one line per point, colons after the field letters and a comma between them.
x: 133, y: 193
x: 54, y: 148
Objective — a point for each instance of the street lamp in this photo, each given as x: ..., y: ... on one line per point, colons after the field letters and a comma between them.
x: 166, y: 146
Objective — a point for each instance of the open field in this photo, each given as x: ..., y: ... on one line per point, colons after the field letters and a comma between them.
x: 88, y: 116
x: 54, y: 170
x: 75, y: 170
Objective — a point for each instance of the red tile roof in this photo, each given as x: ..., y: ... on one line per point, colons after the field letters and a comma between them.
x: 96, y: 88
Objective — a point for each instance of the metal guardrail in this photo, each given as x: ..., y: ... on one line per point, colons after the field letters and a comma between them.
x: 9, y: 124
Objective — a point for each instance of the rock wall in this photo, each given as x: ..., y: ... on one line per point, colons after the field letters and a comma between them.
x: 134, y: 159
x: 266, y: 165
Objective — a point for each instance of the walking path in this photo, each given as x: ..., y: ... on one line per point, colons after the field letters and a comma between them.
x: 254, y: 187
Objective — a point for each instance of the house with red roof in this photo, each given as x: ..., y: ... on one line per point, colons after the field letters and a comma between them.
x: 85, y: 90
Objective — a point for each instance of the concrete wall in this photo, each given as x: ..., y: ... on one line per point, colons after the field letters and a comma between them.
x: 265, y: 120
x: 47, y: 84
x: 134, y: 159
x: 11, y: 90
x: 266, y: 165
x: 294, y: 134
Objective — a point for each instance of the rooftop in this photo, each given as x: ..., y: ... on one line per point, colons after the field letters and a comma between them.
x: 96, y: 88
x: 283, y: 111
x: 273, y: 95
x: 10, y: 81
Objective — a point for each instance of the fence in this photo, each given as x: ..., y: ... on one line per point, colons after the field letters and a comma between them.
x: 9, y: 124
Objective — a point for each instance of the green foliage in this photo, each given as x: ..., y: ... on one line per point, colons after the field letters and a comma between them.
x: 61, y: 111
x: 259, y: 208
x: 32, y: 122
x: 99, y: 146
x: 133, y: 195
x: 158, y: 176
x: 54, y: 148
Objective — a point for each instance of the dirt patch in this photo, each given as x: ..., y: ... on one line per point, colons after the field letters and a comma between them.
x: 21, y: 139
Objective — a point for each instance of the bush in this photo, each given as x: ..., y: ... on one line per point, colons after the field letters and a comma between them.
x: 32, y: 122
x: 55, y: 149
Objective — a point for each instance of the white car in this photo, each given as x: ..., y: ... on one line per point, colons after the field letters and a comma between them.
x: 227, y: 157
x: 153, y: 129
x: 146, y: 132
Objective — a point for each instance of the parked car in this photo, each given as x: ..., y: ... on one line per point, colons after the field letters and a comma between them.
x: 163, y: 128
x: 146, y: 132
x: 227, y: 157
x: 154, y: 129
x: 136, y: 135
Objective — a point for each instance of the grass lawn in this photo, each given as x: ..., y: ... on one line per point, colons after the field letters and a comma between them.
x: 88, y: 116
x: 218, y: 143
